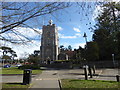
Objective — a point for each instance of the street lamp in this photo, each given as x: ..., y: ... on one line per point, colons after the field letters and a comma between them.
x: 85, y: 36
x: 113, y: 57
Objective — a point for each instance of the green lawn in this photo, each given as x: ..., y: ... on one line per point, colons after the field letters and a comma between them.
x: 14, y: 86
x: 74, y: 83
x: 15, y: 70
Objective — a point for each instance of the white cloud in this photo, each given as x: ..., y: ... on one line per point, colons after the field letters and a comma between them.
x: 28, y: 32
x: 66, y: 37
x: 78, y: 34
x: 22, y: 50
x: 76, y: 29
x: 98, y: 10
x: 23, y: 34
x: 115, y: 0
x: 59, y: 28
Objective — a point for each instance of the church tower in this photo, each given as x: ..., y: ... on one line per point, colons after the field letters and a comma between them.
x: 49, y: 43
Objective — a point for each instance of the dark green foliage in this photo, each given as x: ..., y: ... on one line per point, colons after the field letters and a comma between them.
x: 33, y: 58
x: 92, y: 51
x: 21, y: 61
x: 118, y: 43
x: 69, y: 48
x: 79, y: 55
x: 8, y: 53
x: 33, y: 66
x: 106, y: 31
x: 89, y: 53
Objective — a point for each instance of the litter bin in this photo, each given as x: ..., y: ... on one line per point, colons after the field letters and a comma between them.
x: 27, y: 76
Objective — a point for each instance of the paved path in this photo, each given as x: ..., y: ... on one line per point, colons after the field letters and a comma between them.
x: 48, y: 79
x: 74, y: 73
x: 108, y: 74
x: 13, y: 78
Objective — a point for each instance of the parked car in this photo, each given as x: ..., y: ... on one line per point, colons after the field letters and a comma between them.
x: 7, y: 66
x: 17, y: 65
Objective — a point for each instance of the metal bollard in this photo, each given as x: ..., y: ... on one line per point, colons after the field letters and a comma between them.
x: 90, y: 72
x: 86, y: 72
x: 93, y: 69
x: 117, y: 78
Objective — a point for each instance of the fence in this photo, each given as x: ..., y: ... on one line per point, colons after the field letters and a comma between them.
x: 102, y: 64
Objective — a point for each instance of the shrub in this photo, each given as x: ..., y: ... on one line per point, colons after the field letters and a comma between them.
x: 33, y: 66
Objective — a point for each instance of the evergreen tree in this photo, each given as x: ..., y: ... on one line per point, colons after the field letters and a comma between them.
x: 106, y: 30
x: 92, y: 51
x: 70, y: 48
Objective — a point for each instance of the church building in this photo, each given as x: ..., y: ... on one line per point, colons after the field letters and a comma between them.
x: 49, y: 43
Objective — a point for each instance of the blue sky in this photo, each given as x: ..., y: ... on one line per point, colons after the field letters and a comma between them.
x: 71, y: 22
x: 73, y: 27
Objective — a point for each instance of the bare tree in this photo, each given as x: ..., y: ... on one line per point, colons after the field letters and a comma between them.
x: 22, y: 14
x: 17, y: 14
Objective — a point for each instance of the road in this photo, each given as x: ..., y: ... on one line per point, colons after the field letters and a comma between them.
x: 104, y: 74
x: 108, y: 74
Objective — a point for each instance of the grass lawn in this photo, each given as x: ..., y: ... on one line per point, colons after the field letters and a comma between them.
x: 74, y: 83
x: 15, y: 70
x: 14, y: 86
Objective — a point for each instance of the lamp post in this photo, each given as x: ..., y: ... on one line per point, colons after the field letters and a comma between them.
x: 113, y: 57
x: 85, y: 36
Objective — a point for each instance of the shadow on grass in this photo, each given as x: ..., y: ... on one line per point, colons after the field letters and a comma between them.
x: 94, y: 81
x: 15, y: 83
x: 14, y: 89
x: 14, y: 86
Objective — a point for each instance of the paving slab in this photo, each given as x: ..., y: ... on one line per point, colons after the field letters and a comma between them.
x: 48, y: 79
x: 108, y: 74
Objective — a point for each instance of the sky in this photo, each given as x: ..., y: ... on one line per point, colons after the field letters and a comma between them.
x: 71, y: 24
